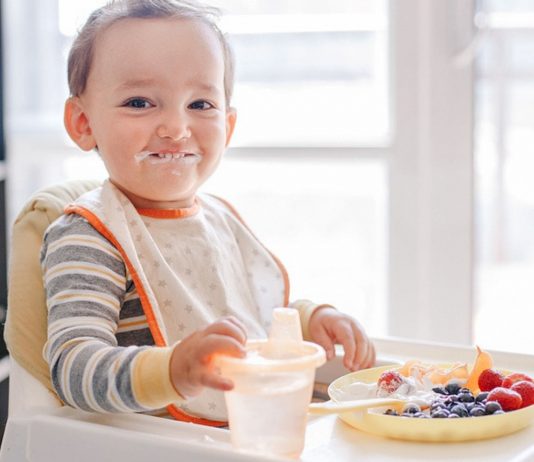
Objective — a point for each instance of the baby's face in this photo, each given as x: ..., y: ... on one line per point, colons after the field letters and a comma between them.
x: 156, y: 109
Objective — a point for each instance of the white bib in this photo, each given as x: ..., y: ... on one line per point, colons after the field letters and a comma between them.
x: 191, y: 271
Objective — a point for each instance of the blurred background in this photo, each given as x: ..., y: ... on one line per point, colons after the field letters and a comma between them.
x: 383, y: 151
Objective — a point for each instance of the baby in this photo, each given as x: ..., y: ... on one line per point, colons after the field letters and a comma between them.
x: 146, y: 280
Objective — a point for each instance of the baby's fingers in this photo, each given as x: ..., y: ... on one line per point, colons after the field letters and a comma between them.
x: 230, y: 327
x: 220, y: 344
x: 361, y: 345
x: 239, y: 326
x: 346, y: 335
x: 322, y: 338
x: 370, y: 359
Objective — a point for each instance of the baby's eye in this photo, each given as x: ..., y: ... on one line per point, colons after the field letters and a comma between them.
x: 201, y: 105
x: 138, y: 103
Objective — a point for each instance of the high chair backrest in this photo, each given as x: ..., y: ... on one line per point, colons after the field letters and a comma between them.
x: 26, y: 295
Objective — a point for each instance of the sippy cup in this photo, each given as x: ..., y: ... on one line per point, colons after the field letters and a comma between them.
x: 272, y: 388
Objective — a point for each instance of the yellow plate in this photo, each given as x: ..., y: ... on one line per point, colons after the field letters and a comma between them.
x: 431, y: 430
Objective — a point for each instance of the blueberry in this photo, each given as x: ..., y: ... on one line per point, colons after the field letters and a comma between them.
x: 469, y: 406
x: 450, y: 406
x: 452, y: 399
x: 477, y: 411
x: 460, y: 411
x: 466, y: 398
x: 452, y: 388
x: 411, y: 408
x: 498, y: 412
x: 439, y: 409
x: 440, y: 390
x: 441, y: 414
x: 420, y: 415
x: 492, y: 407
x: 438, y: 402
x: 464, y: 390
x: 453, y: 416
x: 482, y: 397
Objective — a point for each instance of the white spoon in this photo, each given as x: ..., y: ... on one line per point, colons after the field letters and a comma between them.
x: 334, y: 407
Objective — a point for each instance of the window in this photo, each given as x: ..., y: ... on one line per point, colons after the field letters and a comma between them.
x: 353, y: 157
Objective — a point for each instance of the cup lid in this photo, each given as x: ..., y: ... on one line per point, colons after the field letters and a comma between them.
x: 296, y: 356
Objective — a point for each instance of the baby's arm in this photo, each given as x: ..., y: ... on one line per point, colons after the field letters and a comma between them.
x: 85, y: 281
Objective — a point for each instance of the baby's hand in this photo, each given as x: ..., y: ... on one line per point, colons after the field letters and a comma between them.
x: 328, y: 326
x: 191, y: 361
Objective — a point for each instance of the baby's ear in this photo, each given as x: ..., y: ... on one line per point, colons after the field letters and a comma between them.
x: 77, y: 124
x: 231, y: 117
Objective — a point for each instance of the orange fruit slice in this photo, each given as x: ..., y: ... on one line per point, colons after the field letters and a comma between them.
x: 483, y: 361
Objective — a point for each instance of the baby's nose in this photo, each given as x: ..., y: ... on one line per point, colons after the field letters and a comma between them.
x: 175, y: 125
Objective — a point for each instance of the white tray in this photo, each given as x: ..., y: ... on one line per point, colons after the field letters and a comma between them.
x: 44, y: 434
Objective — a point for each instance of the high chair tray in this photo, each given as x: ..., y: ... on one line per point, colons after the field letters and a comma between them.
x: 65, y: 434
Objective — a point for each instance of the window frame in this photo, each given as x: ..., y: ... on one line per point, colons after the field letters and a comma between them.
x: 431, y: 171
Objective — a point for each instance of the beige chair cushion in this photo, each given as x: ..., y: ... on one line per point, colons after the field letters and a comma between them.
x: 26, y: 323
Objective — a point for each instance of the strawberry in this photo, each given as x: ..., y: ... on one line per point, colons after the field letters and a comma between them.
x: 526, y: 390
x: 490, y: 379
x: 508, y: 399
x: 389, y: 381
x: 509, y: 380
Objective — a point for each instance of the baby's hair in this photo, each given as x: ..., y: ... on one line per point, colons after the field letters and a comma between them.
x: 82, y: 50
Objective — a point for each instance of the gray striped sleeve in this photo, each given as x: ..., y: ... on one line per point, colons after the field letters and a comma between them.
x: 85, y: 280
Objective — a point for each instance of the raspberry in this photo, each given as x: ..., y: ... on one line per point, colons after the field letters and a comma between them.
x: 526, y: 390
x: 490, y: 379
x: 389, y: 381
x: 509, y: 380
x: 508, y: 399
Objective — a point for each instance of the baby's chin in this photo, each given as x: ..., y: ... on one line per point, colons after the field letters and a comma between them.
x: 161, y: 197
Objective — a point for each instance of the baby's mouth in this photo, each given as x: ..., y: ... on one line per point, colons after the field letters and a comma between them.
x: 174, y: 156
x: 167, y: 157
